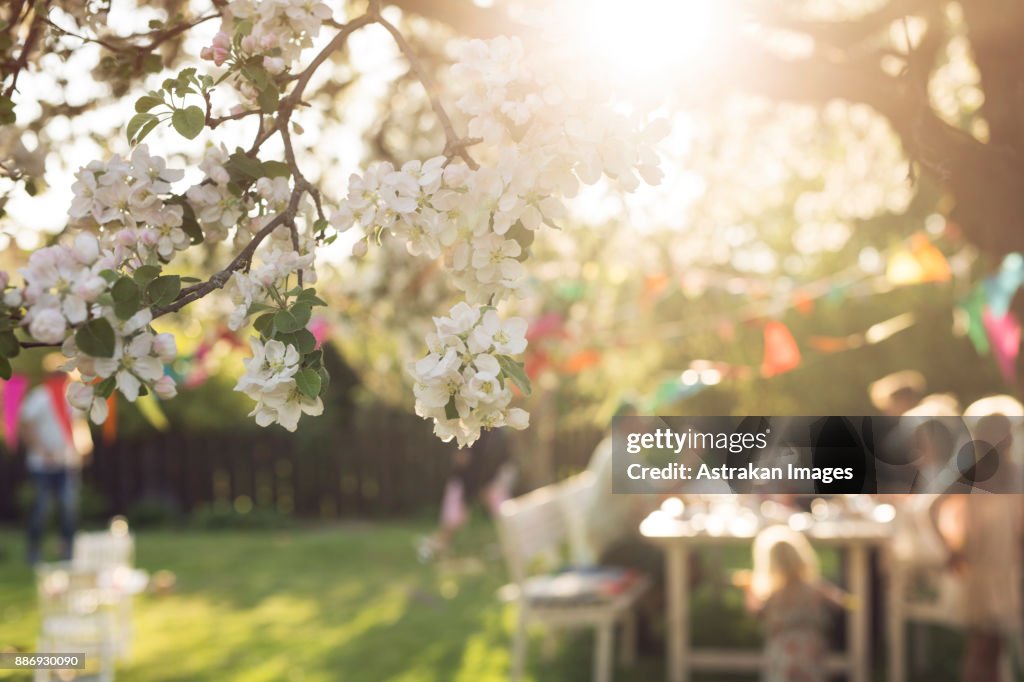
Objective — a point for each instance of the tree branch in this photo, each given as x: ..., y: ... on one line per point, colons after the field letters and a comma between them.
x: 454, y: 145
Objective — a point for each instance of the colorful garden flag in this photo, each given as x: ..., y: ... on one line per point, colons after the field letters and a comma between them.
x: 781, y: 354
x: 1004, y: 335
x: 974, y: 309
x: 1001, y: 287
x: 14, y: 390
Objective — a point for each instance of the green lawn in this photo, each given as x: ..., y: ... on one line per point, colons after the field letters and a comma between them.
x: 347, y: 602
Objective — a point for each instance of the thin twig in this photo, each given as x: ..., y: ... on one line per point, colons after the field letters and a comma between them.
x: 454, y: 145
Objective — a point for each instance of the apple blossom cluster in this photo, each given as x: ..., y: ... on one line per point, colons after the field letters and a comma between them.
x: 270, y: 380
x: 217, y: 208
x: 538, y: 143
x: 139, y: 359
x: 274, y: 32
x: 69, y: 286
x: 126, y: 200
x: 249, y: 290
x: 461, y: 382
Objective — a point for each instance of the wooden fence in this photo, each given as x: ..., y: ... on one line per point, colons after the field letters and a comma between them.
x: 381, y: 463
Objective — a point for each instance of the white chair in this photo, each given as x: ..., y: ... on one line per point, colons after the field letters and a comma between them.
x: 534, y: 530
x: 103, y: 549
x: 75, y: 617
x: 111, y: 555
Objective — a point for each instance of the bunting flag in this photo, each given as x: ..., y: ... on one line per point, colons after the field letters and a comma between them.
x: 13, y: 395
x: 803, y: 303
x: 550, y: 324
x: 1001, y: 287
x: 922, y: 262
x: 582, y: 360
x: 1004, y: 335
x: 973, y: 310
x: 781, y: 354
x: 835, y: 344
x: 109, y: 428
x: 671, y: 390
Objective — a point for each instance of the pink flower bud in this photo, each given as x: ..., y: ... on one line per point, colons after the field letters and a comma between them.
x: 222, y: 40
x: 165, y: 387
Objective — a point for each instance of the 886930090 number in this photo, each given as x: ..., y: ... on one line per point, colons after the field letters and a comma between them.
x: 37, y: 661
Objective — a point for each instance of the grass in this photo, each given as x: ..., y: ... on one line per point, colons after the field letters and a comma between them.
x: 347, y: 602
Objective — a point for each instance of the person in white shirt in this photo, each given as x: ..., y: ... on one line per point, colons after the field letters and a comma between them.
x: 54, y: 461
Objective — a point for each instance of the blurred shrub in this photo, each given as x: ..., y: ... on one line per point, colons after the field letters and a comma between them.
x: 155, y: 511
x: 223, y: 517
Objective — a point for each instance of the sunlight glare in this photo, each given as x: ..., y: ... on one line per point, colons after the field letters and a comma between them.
x: 646, y: 40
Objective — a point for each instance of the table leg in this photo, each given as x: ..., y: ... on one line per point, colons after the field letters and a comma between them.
x: 677, y: 579
x: 858, y: 642
x: 896, y: 634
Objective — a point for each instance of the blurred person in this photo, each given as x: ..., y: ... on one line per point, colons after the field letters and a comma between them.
x: 56, y: 442
x: 787, y: 593
x: 983, y: 531
x: 485, y: 469
x: 896, y: 393
x: 932, y: 443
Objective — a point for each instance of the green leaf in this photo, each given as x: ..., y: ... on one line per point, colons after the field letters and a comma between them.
x: 110, y: 275
x: 144, y: 274
x: 268, y: 98
x: 152, y: 63
x: 244, y: 167
x: 125, y: 289
x: 315, y: 358
x: 147, y: 102
x: 9, y: 346
x: 309, y: 296
x: 163, y: 290
x: 258, y: 307
x: 325, y: 379
x: 308, y: 382
x: 303, y: 340
x: 276, y: 169
x: 5, y: 368
x: 293, y: 319
x: 139, y: 126
x: 264, y: 324
x: 514, y: 371
x: 189, y: 223
x: 96, y: 338
x: 450, y: 411
x: 105, y: 388
x: 7, y: 113
x: 189, y: 121
x: 127, y: 299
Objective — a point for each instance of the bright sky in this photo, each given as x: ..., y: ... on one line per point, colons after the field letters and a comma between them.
x: 621, y: 45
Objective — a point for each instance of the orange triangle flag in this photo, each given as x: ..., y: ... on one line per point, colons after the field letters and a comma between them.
x: 923, y: 262
x: 781, y: 353
x: 934, y: 266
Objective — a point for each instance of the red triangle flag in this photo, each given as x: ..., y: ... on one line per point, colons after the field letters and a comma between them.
x: 781, y: 353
